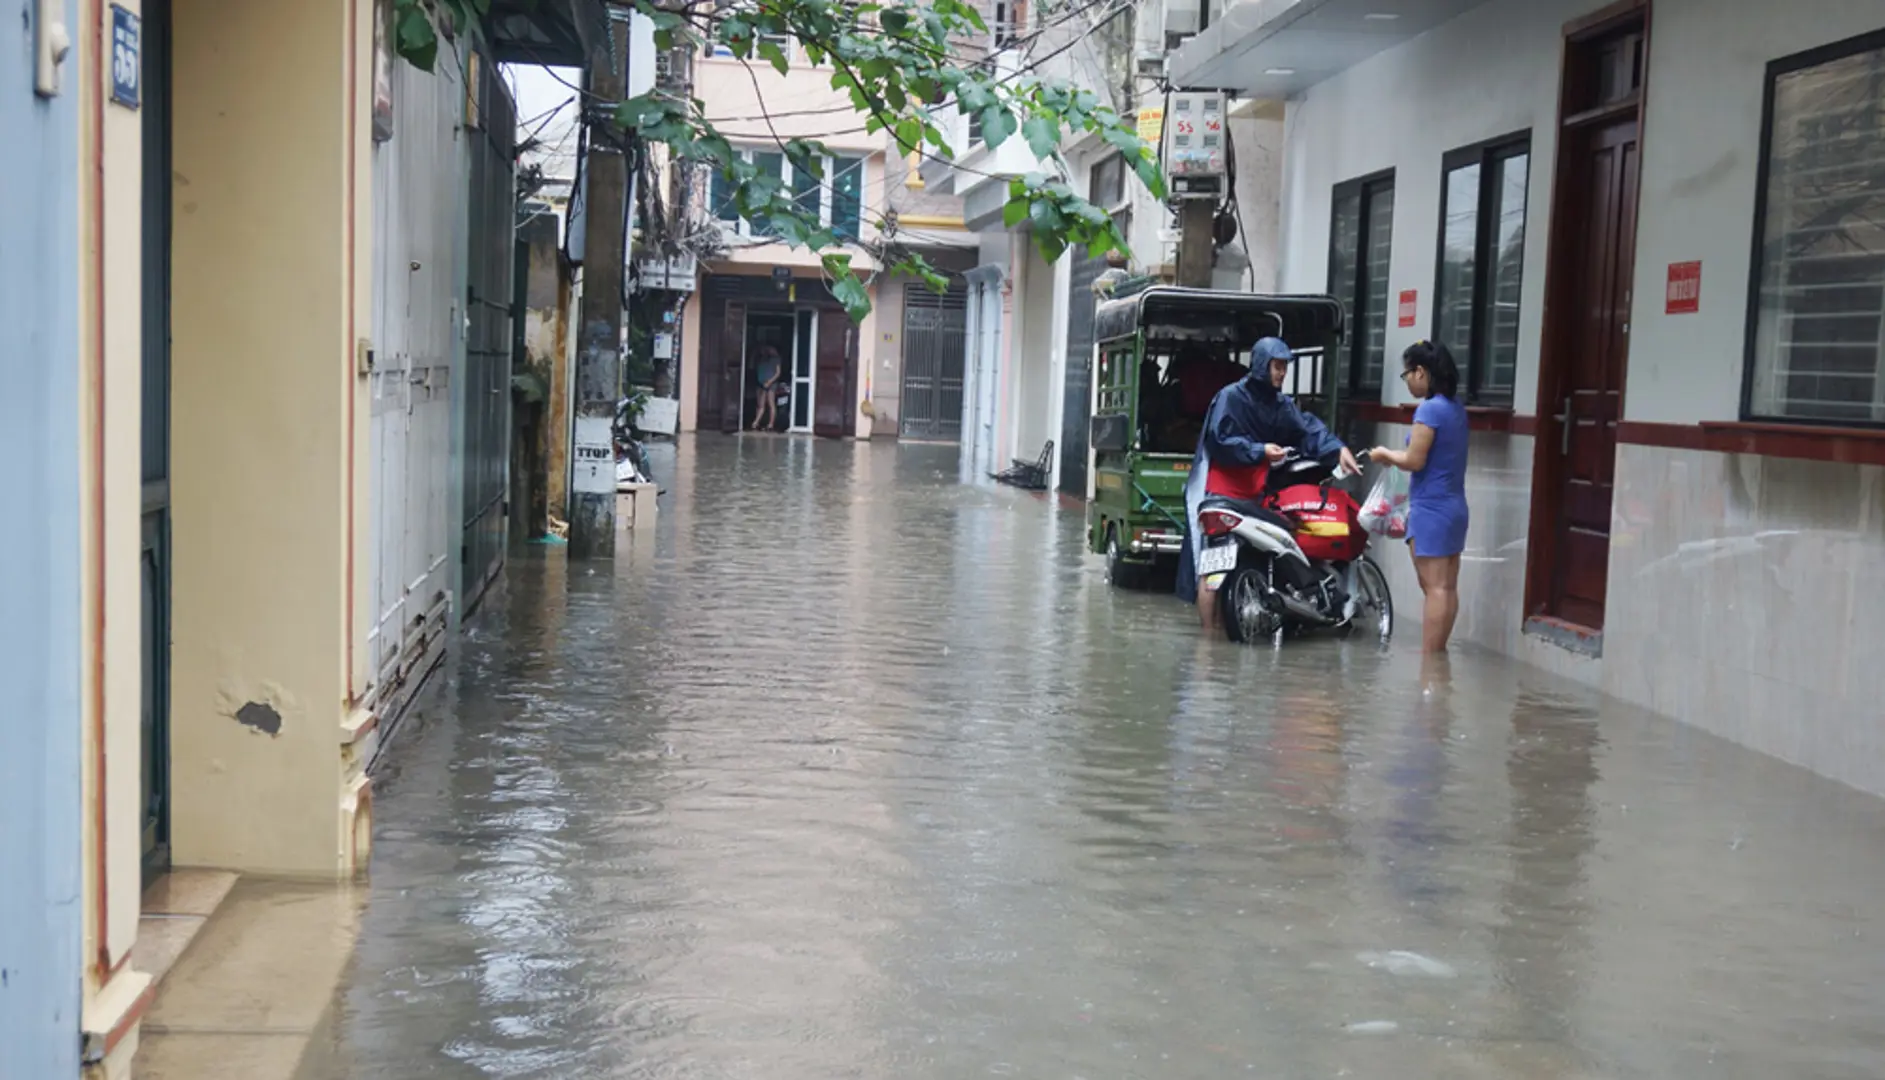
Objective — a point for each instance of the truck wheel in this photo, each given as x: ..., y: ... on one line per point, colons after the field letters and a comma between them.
x: 1123, y: 573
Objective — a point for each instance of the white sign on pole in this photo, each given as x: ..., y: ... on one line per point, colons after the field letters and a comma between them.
x: 592, y: 459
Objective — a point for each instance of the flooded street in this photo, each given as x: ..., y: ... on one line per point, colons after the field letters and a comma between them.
x: 854, y: 771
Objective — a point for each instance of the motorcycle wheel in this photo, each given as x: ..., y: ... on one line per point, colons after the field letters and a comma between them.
x: 1247, y: 618
x: 1375, y: 612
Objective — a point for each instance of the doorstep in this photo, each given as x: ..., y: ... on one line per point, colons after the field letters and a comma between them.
x: 246, y: 999
x: 176, y: 906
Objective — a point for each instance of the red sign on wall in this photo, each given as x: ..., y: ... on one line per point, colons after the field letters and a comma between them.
x: 1685, y: 288
x: 1410, y: 307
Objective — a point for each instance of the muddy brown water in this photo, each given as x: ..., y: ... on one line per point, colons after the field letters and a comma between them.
x: 852, y: 770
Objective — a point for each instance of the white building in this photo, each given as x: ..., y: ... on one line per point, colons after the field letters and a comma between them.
x: 1650, y: 231
x: 1030, y: 323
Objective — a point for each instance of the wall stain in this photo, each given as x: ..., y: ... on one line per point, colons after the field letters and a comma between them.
x: 262, y: 718
x: 1707, y: 178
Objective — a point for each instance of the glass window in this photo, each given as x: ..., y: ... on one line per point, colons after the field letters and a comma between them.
x: 1361, y: 245
x: 1818, y: 345
x: 847, y: 198
x: 1482, y: 257
x: 769, y: 163
x: 720, y: 197
x: 808, y: 191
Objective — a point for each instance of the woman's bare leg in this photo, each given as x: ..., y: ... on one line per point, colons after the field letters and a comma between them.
x: 1439, y: 585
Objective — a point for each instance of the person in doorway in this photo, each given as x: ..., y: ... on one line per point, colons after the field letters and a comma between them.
x: 766, y: 372
x: 1435, y: 455
x: 1251, y: 425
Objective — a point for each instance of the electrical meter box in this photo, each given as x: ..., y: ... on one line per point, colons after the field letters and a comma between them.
x: 1196, y: 144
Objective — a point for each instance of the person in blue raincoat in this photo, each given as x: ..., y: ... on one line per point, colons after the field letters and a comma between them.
x: 1251, y: 423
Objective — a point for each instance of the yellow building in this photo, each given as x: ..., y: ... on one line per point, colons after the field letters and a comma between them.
x: 239, y: 648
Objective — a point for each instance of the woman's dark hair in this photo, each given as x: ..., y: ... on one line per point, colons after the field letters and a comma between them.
x: 1443, y: 375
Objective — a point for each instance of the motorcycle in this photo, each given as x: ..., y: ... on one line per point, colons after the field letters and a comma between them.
x: 631, y: 455
x: 1294, y: 558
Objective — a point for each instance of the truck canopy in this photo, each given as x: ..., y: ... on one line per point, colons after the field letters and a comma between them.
x: 1171, y: 314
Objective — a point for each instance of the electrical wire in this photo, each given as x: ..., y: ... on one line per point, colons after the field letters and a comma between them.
x: 1027, y: 40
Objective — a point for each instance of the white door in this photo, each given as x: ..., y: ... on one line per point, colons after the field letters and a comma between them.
x: 804, y: 403
x: 417, y: 232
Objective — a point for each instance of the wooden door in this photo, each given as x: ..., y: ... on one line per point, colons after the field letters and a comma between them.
x: 1589, y: 287
x: 732, y: 361
x: 1592, y: 385
x: 834, y: 398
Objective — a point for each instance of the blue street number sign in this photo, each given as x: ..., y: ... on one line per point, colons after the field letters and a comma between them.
x: 127, y: 62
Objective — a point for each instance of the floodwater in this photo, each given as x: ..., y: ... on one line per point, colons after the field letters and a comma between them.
x: 853, y: 771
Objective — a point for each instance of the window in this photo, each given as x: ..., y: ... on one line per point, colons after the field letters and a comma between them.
x: 847, y: 198
x: 1106, y: 183
x: 1361, y: 238
x: 1482, y: 259
x: 1816, y: 349
x: 836, y: 197
x: 1011, y: 17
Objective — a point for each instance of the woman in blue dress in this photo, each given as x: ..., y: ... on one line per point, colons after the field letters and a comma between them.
x: 1436, y: 503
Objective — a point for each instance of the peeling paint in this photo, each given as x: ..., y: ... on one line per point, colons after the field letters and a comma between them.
x: 262, y: 718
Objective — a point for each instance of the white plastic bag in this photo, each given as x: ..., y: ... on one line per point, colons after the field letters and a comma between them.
x: 1384, y: 512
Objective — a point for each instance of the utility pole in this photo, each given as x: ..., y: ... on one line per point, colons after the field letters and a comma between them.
x: 1197, y: 245
x: 599, y: 335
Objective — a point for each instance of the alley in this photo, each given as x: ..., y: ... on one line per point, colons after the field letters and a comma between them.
x: 856, y: 771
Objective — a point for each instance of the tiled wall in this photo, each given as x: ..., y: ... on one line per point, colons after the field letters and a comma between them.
x: 1745, y: 598
x: 1747, y: 595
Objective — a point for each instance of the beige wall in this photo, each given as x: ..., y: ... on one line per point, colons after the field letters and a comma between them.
x: 111, y: 215
x: 268, y: 493
x: 800, y: 104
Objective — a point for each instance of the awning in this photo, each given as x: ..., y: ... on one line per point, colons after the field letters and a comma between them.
x: 1275, y: 49
x: 554, y: 33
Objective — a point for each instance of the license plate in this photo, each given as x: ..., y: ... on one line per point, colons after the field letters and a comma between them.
x: 1221, y: 559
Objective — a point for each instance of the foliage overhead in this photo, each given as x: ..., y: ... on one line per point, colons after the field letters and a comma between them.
x: 903, y: 66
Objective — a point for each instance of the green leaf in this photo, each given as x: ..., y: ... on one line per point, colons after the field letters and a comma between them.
x: 910, y: 133
x: 895, y: 21
x: 973, y: 97
x: 1045, y: 217
x: 1043, y: 135
x: 849, y: 290
x: 641, y: 112
x: 772, y: 53
x: 418, y: 41
x: 1014, y: 211
x: 997, y: 124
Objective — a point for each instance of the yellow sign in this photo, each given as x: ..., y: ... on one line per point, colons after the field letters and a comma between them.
x: 1151, y: 125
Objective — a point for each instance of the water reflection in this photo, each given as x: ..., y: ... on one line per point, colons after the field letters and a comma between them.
x: 868, y: 773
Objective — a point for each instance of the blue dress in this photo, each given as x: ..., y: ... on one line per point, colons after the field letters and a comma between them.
x: 1436, y: 495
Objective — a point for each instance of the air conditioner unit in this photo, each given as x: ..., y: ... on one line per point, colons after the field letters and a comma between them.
x: 1182, y: 16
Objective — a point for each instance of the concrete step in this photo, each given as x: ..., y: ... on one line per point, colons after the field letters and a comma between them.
x: 176, y: 907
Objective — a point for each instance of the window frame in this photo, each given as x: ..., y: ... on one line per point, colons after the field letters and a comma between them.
x: 1351, y: 378
x: 1873, y: 41
x: 827, y: 192
x: 1486, y: 216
